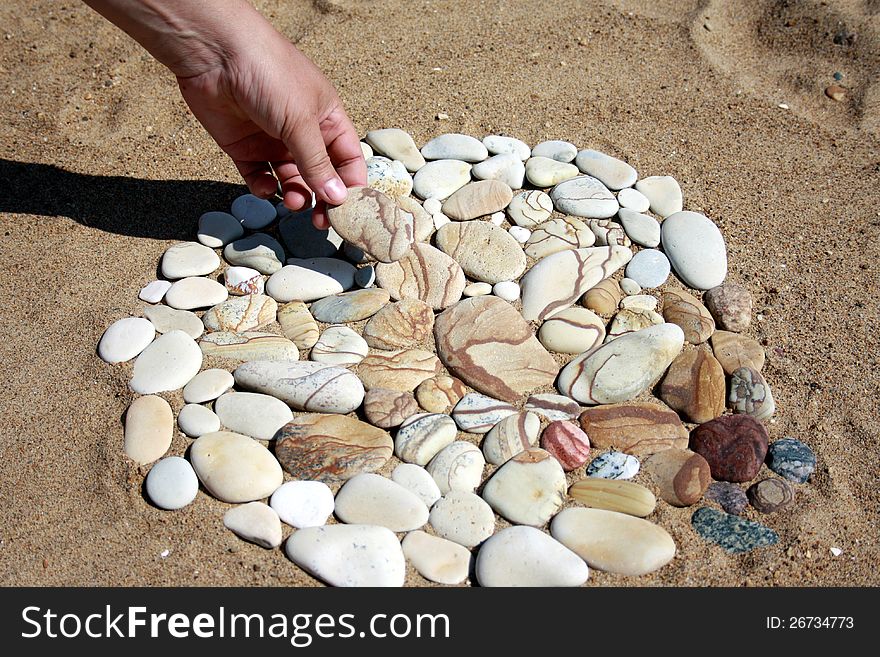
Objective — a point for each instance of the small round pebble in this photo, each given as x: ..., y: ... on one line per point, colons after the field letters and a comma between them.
x: 507, y: 290
x: 432, y: 205
x: 770, y: 495
x: 196, y: 420
x: 462, y: 517
x: 792, y: 459
x: 207, y: 385
x: 633, y: 199
x: 253, y: 212
x: 649, y: 268
x: 629, y: 286
x: 154, y: 291
x: 477, y: 290
x: 217, y: 229
x: 172, y: 483
x: 520, y: 234
x: 614, y: 465
x: 303, y: 503
x: 731, y: 497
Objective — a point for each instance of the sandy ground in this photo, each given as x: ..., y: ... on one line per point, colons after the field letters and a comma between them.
x: 102, y: 167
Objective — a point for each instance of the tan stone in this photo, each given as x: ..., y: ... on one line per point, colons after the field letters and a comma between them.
x: 250, y: 345
x: 149, y: 427
x: 374, y: 223
x: 486, y: 252
x: 682, y: 475
x: 403, y: 369
x: 694, y: 386
x: 636, y: 428
x: 423, y: 273
x: 734, y: 351
x: 604, y: 297
x: 244, y: 313
x: 298, y: 325
x: 683, y: 309
x: 440, y: 393
x: 614, y: 495
x: 477, y: 199
x: 386, y: 408
x: 400, y: 325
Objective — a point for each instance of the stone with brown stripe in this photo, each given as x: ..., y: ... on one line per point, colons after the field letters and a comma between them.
x: 402, y: 369
x: 694, y: 386
x: 424, y: 273
x: 477, y: 199
x: 373, y: 222
x: 681, y: 475
x: 511, y: 436
x: 684, y: 309
x: 486, y: 252
x: 559, y: 234
x: 638, y: 428
x: 400, y: 325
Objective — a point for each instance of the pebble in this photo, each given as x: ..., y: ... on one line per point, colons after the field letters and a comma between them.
x: 423, y: 224
x: 559, y: 234
x: 561, y: 151
x: 525, y: 556
x: 440, y: 393
x: 528, y: 489
x: 374, y: 223
x: 584, y: 196
x: 614, y: 542
x: 349, y: 555
x: 154, y: 291
x: 370, y: 499
x: 567, y: 443
x: 235, y: 468
x: 168, y: 363
x: 196, y: 420
x: 478, y: 413
x: 613, y: 173
x: 425, y: 273
x: 250, y: 345
x: 695, y: 248
x: 731, y: 497
x: 241, y: 314
x: 520, y: 234
x: 770, y: 495
x: 735, y: 535
x: 733, y: 445
x: 639, y: 302
x: 499, y: 145
x: 171, y: 483
x: 649, y: 268
x: 366, y: 150
x: 663, y: 193
x: 505, y: 168
x: 252, y: 414
x: 477, y: 199
x: 477, y: 290
x: 547, y: 172
x: 365, y: 277
x: 734, y: 351
x: 437, y: 559
x: 836, y: 92
x: 630, y: 320
x: 309, y: 280
x: 303, y: 504
x: 298, y: 325
x: 432, y: 205
x: 166, y: 319
x: 731, y: 306
x: 385, y: 408
x: 630, y: 287
x: 454, y: 146
x: 217, y: 229
x: 633, y: 199
x: 557, y: 281
x: 349, y: 306
x: 623, y: 368
x: 403, y: 369
x: 458, y: 466
x: 694, y: 386
x: 303, y: 240
x: 507, y: 290
x: 792, y: 459
x: 256, y: 523
x: 421, y: 437
x: 257, y: 251
x: 440, y: 220
x: 467, y: 343
x: 125, y: 338
x: 749, y: 393
x: 553, y: 407
x: 304, y: 385
x: 485, y: 252
x: 685, y: 310
x: 243, y: 280
x: 613, y: 465
x: 253, y: 212
x: 642, y: 229
x: 389, y: 177
x: 396, y: 144
x: 462, y: 517
x: 530, y: 208
x: 149, y: 427
x: 400, y: 325
x: 511, y: 436
x: 614, y: 495
x: 572, y: 331
x: 339, y: 345
x: 681, y: 475
x: 190, y: 293
x: 607, y: 232
x: 331, y: 448
x: 441, y: 178
x: 604, y: 297
x: 638, y: 428
x: 418, y: 482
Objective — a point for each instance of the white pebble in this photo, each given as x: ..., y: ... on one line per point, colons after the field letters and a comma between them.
x: 432, y: 205
x: 507, y: 290
x: 520, y: 234
x: 255, y: 522
x: 303, y: 503
x: 153, y: 291
x: 172, y: 483
x: 125, y: 338
x: 417, y: 481
x: 497, y: 218
x: 195, y: 420
x: 440, y: 220
x: 477, y: 289
x: 207, y: 385
x: 629, y: 286
x: 633, y: 199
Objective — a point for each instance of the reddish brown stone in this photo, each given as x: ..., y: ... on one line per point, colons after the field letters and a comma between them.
x: 567, y: 443
x: 694, y: 386
x: 734, y: 446
x: 635, y: 428
x: 731, y: 306
x: 386, y: 408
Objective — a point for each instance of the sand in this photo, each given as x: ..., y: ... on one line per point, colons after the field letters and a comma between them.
x: 102, y: 168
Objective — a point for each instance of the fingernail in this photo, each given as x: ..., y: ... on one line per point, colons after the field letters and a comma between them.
x: 335, y: 191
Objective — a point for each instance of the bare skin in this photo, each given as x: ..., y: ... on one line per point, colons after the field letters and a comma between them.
x: 267, y: 106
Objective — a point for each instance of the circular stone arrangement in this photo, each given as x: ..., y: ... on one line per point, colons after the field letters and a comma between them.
x: 463, y: 380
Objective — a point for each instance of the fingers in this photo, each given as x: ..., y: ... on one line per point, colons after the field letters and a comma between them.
x: 259, y: 178
x: 344, y: 148
x: 306, y: 143
x: 294, y: 191
x: 319, y: 216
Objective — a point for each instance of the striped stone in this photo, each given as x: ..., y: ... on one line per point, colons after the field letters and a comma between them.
x: 694, y: 386
x: 511, y: 436
x: 424, y: 273
x: 638, y: 428
x: 398, y: 370
x: 374, y: 223
x: 250, y: 345
x: 400, y: 325
x: 692, y: 316
x: 558, y: 235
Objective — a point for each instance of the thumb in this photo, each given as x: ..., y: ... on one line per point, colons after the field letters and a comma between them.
x: 306, y: 144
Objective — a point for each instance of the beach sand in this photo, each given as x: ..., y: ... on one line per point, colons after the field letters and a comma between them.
x: 102, y: 168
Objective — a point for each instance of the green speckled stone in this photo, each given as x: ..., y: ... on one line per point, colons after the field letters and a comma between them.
x: 792, y: 459
x: 732, y: 533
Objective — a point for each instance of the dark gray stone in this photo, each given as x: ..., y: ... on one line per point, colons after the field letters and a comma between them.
x: 735, y: 535
x: 792, y: 459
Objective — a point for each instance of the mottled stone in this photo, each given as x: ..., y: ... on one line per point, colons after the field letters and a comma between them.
x: 559, y: 234
x: 731, y: 306
x: 553, y: 407
x: 681, y: 475
x: 614, y: 495
x: 396, y: 145
x: 257, y: 251
x: 604, y: 297
x: 528, y: 489
x: 241, y: 314
x: 235, y: 468
x: 303, y: 385
x: 371, y: 499
x: 403, y: 324
x: 243, y: 280
x: 692, y: 316
x: 567, y: 443
x: 731, y: 497
x: 584, y: 196
x: 425, y: 273
x: 511, y: 436
x: 298, y: 325
x: 486, y: 343
x: 733, y: 445
x: 250, y: 345
x: 663, y: 193
x: 792, y: 459
x: 458, y: 466
x: 485, y: 252
x: 630, y: 320
x: 437, y: 559
x: 695, y: 248
x: 525, y: 556
x: 636, y: 428
x: 477, y: 413
x: 477, y: 199
x: 529, y: 208
x: 440, y: 393
x: 735, y: 535
x: 750, y: 393
x: 607, y: 232
x: 149, y: 427
x: 398, y: 370
x: 385, y: 408
x: 462, y: 517
x: 694, y: 386
x: 734, y: 351
x: 256, y: 523
x: 770, y: 495
x: 422, y: 436
x: 613, y: 465
x: 373, y: 222
x: 546, y: 172
x: 389, y: 177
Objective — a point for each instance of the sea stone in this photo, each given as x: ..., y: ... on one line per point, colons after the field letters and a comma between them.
x: 477, y: 199
x: 529, y: 208
x: 400, y: 325
x: 528, y: 489
x: 349, y: 555
x: 635, y: 428
x: 389, y: 177
x: 685, y: 310
x: 441, y: 178
x: 506, y: 290
x: 733, y: 445
x: 553, y: 407
x: 195, y: 292
x: 349, y: 306
x: 649, y: 268
x: 149, y: 427
x: 634, y: 200
x: 559, y: 234
x: 614, y: 174
x: 525, y: 556
x: 584, y: 196
x: 511, y: 436
x: 440, y: 393
x: 455, y: 146
x: 694, y: 386
x: 298, y: 325
x: 477, y: 290
x: 241, y: 314
x: 196, y: 420
x: 371, y: 499
x: 485, y: 252
x: 681, y: 475
x: 250, y: 345
x: 505, y: 168
x: 462, y: 517
x: 385, y: 408
x: 734, y: 351
x: 792, y: 459
x: 500, y: 145
x: 613, y: 465
x: 695, y: 248
x: 546, y: 172
x: 639, y: 302
x: 171, y: 483
x: 424, y: 273
x: 663, y: 193
x: 339, y: 345
x: 253, y: 212
x: 331, y: 448
x: 396, y: 145
x: 398, y: 370
x: 604, y: 297
x: 207, y: 385
x: 303, y: 504
x: 558, y: 280
x: 614, y: 495
x: 731, y: 497
x: 623, y: 368
x: 168, y: 363
x: 770, y: 495
x: 365, y: 277
x: 458, y: 466
x: 374, y: 223
x: 606, y: 232
x: 303, y: 240
x: 258, y: 251
x: 252, y: 414
x: 255, y: 522
x: 217, y: 229
x: 154, y: 291
x: 437, y: 559
x: 555, y: 149
x: 303, y: 385
x: 235, y: 468
x: 749, y: 393
x: 614, y: 542
x: 125, y: 338
x: 640, y: 228
x: 243, y: 280
x: 731, y: 306
x: 189, y: 259
x: 630, y: 320
x: 477, y: 413
x: 309, y: 280
x: 486, y: 343
x: 735, y: 535
x: 418, y: 482
x: 166, y: 319
x: 567, y: 443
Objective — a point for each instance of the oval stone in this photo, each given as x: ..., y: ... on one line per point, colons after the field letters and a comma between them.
x: 171, y: 483
x: 613, y: 465
x: 252, y: 414
x: 770, y: 495
x: 241, y: 314
x: 396, y: 144
x: 207, y: 385
x: 749, y: 393
x: 733, y: 445
x: 303, y: 504
x: 154, y: 291
x: 731, y: 306
x: 792, y: 459
x: 374, y: 223
x: 235, y: 468
x: 385, y: 408
x: 572, y: 331
x: 584, y: 196
x: 349, y: 306
x: 695, y: 248
x: 217, y: 229
x: 553, y: 407
x: 528, y: 489
x: 499, y: 145
x: 637, y: 428
x: 462, y: 517
x: 559, y: 234
x: 253, y: 212
x: 339, y: 345
x: 604, y: 297
x: 440, y: 393
x: 477, y: 413
x: 555, y: 149
x: 250, y: 345
x: 642, y: 229
x: 196, y: 420
x: 196, y: 292
x: 477, y: 199
x: 485, y: 252
x: 389, y: 177
x: 422, y: 436
x: 417, y: 481
x: 663, y: 193
x: 546, y: 172
x: 370, y: 499
x: 149, y: 427
x: 567, y: 443
x: 455, y: 146
x: 125, y: 338
x: 189, y: 259
x: 441, y: 178
x: 681, y: 475
x: 649, y: 268
x: 400, y: 325
x: 458, y: 466
x: 257, y: 251
x: 525, y: 556
x: 614, y: 174
x: 308, y: 280
x: 437, y: 559
x: 734, y: 351
x: 614, y: 495
x: 166, y: 319
x: 632, y: 199
x: 530, y: 208
x: 694, y: 386
x: 304, y: 385
x: 168, y: 363
x: 511, y: 436
x: 692, y: 316
x: 505, y: 168
x: 398, y: 370
x: 298, y: 325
